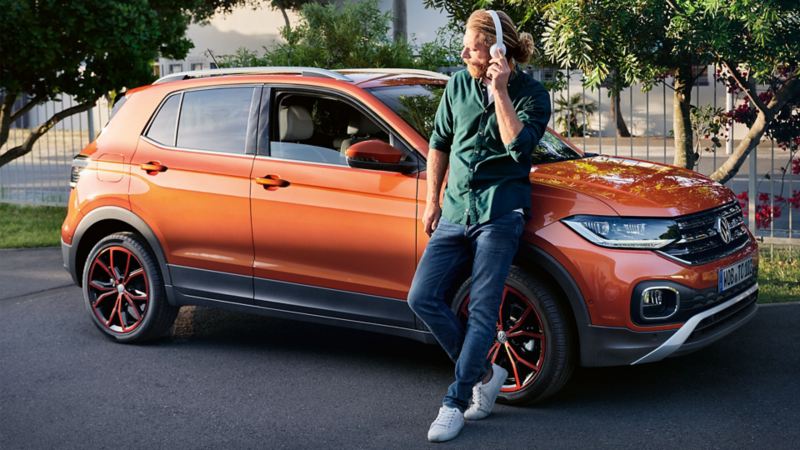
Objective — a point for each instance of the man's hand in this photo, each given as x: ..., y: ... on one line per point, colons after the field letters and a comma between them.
x: 430, y: 218
x: 498, y: 74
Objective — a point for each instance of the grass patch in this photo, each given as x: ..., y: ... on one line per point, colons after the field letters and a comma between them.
x: 779, y: 274
x: 30, y: 226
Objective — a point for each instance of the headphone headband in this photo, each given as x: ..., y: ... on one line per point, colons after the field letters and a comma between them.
x: 498, y: 32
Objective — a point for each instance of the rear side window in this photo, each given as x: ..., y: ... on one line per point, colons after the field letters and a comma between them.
x: 162, y: 130
x: 215, y: 119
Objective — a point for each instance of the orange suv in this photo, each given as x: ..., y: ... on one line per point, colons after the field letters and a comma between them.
x: 297, y: 193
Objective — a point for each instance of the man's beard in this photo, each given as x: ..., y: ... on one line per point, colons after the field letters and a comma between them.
x: 477, y: 71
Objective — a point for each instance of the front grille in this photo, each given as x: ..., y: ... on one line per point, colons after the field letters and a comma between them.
x: 701, y: 241
x: 727, y: 315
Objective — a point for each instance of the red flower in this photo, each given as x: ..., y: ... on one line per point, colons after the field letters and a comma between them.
x: 796, y: 166
x: 763, y: 197
x: 794, y: 200
x: 765, y: 214
x: 743, y: 198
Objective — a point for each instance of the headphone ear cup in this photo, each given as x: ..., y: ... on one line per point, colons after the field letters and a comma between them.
x: 497, y: 50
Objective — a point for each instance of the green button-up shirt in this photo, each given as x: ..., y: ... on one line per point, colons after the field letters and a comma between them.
x: 487, y: 178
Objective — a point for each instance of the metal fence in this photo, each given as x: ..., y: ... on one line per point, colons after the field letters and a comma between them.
x: 42, y: 176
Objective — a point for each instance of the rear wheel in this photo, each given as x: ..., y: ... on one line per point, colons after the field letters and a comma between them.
x: 124, y: 292
x: 534, y: 339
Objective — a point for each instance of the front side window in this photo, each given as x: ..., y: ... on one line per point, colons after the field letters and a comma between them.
x: 215, y: 119
x: 318, y: 129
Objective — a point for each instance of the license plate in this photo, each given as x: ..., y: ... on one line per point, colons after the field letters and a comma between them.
x: 732, y: 275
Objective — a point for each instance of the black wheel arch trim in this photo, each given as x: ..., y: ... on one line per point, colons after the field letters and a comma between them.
x: 102, y: 213
x: 531, y: 255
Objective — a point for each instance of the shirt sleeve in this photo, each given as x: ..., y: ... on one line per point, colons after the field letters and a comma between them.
x: 533, y: 111
x: 442, y: 133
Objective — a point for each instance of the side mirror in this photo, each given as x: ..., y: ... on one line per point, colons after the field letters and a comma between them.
x: 378, y: 155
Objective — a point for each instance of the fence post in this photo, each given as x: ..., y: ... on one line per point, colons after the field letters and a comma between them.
x: 752, y: 195
x: 90, y: 119
x: 729, y: 139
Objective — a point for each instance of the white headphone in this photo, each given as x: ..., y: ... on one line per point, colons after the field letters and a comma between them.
x: 499, y: 47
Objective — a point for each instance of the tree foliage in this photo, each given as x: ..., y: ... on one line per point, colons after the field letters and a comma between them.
x: 85, y: 49
x: 756, y: 42
x: 353, y: 35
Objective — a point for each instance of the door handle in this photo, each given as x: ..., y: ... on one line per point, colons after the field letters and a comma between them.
x: 153, y: 167
x: 272, y: 181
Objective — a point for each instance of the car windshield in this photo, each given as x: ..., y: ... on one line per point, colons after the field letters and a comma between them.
x: 417, y: 104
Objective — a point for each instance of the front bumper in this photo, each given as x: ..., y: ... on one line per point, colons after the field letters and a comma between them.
x: 612, y: 346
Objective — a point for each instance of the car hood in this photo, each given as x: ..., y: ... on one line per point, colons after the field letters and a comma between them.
x: 634, y: 187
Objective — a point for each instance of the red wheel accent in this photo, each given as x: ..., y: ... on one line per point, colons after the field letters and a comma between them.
x: 520, y: 343
x: 116, y: 272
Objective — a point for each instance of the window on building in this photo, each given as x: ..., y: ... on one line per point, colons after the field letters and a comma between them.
x: 175, y: 68
x: 197, y: 66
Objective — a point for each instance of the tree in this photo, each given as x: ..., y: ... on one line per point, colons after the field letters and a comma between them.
x: 283, y: 5
x: 568, y: 111
x: 84, y: 49
x: 400, y: 20
x: 353, y: 35
x: 648, y: 40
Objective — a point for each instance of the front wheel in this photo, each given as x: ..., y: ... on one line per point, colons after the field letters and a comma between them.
x: 534, y: 340
x: 124, y: 292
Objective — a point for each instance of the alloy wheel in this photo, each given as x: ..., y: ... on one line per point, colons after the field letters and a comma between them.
x: 119, y: 292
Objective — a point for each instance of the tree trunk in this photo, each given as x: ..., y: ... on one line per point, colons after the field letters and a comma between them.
x: 6, y: 115
x: 399, y: 21
x: 27, y: 146
x: 682, y: 128
x: 286, y: 19
x: 734, y: 162
x: 616, y: 113
x: 731, y: 166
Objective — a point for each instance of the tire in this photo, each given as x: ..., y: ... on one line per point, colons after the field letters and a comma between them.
x: 547, y: 345
x: 124, y: 292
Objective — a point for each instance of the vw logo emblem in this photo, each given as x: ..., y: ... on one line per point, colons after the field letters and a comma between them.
x: 724, y: 229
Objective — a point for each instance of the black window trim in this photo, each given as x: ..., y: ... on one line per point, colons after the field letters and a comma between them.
x: 251, y: 133
x: 266, y: 118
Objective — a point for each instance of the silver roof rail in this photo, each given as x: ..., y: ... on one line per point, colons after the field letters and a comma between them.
x: 393, y: 71
x: 306, y: 71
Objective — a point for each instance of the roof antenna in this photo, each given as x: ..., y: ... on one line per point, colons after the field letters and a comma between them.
x: 211, y: 54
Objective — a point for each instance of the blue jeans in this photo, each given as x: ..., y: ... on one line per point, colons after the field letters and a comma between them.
x: 491, y: 248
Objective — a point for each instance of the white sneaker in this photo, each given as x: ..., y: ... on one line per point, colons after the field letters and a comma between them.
x: 484, y: 395
x: 447, y: 425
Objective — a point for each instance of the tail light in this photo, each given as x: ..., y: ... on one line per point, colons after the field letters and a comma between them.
x: 79, y: 163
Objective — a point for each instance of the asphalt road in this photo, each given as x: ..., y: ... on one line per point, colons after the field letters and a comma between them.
x: 228, y: 380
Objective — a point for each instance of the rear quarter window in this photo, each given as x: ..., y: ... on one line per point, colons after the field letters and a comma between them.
x: 162, y: 129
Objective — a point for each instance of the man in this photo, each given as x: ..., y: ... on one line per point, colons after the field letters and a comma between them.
x: 490, y: 118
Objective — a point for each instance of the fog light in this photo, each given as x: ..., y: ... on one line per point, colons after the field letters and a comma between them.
x: 659, y: 302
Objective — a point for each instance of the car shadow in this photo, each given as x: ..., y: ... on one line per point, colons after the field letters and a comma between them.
x: 718, y: 378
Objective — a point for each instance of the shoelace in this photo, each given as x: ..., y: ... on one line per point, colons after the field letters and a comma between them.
x: 476, y: 394
x: 448, y: 416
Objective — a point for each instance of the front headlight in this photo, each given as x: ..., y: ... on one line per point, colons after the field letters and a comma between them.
x: 623, y: 232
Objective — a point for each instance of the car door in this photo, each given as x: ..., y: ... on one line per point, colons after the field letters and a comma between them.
x: 329, y: 239
x: 191, y: 183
